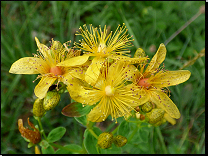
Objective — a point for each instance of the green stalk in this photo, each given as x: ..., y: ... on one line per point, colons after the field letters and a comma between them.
x: 41, y: 127
x: 93, y: 133
x: 115, y: 130
x: 182, y: 27
x: 161, y: 140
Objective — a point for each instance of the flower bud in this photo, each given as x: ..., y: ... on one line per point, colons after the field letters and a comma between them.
x: 120, y: 140
x: 155, y: 115
x: 159, y: 122
x: 105, y: 140
x: 38, y: 109
x: 137, y: 115
x: 142, y: 117
x: 51, y: 100
x: 139, y: 53
x: 147, y: 107
x: 137, y: 109
x: 33, y: 136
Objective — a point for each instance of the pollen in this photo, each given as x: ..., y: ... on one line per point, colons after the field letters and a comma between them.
x: 56, y: 70
x: 143, y: 82
x: 109, y: 91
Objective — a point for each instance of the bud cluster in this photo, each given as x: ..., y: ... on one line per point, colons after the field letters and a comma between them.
x: 152, y: 115
x: 40, y: 106
x: 106, y: 139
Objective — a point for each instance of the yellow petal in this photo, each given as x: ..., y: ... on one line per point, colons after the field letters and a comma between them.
x: 29, y: 65
x: 131, y: 95
x: 96, y: 115
x: 164, y: 102
x: 78, y: 73
x: 42, y: 87
x: 132, y: 73
x: 158, y: 58
x: 117, y: 73
x: 74, y: 61
x: 170, y: 78
x: 128, y: 59
x: 139, y: 53
x: 93, y: 70
x: 66, y: 78
x: 43, y: 49
x: 79, y: 94
x: 57, y: 48
x: 169, y: 119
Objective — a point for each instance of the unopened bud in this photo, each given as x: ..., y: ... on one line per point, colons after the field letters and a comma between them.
x: 147, y: 107
x: 38, y: 109
x: 142, y: 117
x: 137, y: 109
x: 155, y: 115
x: 137, y: 115
x: 51, y: 100
x: 139, y: 53
x: 160, y: 122
x: 120, y: 140
x: 105, y: 140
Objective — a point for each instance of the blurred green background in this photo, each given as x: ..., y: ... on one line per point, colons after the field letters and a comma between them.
x: 150, y: 23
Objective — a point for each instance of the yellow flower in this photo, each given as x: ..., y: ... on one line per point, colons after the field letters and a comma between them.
x: 153, y: 80
x: 101, y: 45
x: 110, y: 94
x: 46, y: 62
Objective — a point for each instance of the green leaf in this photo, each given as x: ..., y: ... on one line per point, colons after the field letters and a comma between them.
x: 56, y: 134
x: 82, y: 120
x: 144, y: 134
x: 44, y: 143
x: 30, y: 145
x: 48, y: 150
x: 74, y: 149
x: 112, y: 150
x: 124, y: 129
x: 90, y: 142
x: 76, y: 109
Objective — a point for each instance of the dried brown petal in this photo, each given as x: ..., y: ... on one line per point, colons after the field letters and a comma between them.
x: 33, y: 136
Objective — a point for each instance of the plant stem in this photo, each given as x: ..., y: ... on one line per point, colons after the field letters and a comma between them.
x: 93, y: 133
x: 115, y: 130
x: 161, y: 140
x: 182, y: 27
x: 41, y: 127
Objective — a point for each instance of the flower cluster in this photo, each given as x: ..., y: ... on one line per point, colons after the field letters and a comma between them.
x: 101, y: 73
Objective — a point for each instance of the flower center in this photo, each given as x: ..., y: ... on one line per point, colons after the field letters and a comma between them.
x: 109, y: 91
x: 143, y: 82
x: 56, y: 70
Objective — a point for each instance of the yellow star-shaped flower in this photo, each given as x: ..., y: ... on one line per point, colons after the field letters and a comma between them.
x: 46, y: 62
x: 111, y: 95
x: 101, y: 45
x: 153, y: 80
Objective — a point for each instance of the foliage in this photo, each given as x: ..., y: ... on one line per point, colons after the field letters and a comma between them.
x: 150, y: 23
